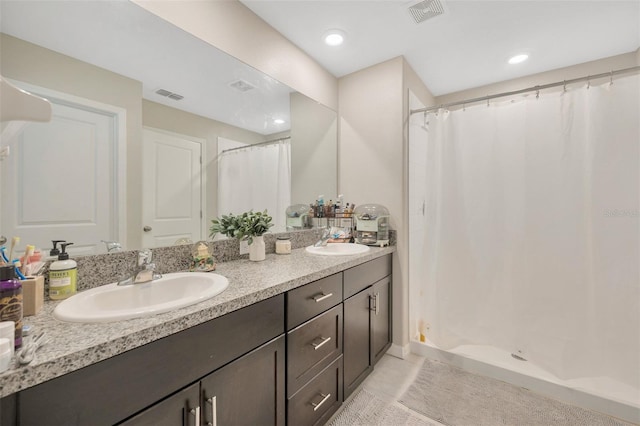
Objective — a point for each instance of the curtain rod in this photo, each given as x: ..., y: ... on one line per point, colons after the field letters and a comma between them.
x: 609, y: 74
x: 255, y: 144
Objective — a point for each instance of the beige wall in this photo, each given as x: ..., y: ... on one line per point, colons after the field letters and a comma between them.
x: 373, y: 109
x: 162, y: 117
x: 588, y: 68
x: 314, y: 155
x: 233, y: 28
x: 32, y: 64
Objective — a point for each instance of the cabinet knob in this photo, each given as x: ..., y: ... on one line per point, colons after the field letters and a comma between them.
x: 147, y: 228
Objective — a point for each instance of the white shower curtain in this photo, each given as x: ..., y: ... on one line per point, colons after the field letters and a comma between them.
x: 532, y: 228
x: 256, y: 178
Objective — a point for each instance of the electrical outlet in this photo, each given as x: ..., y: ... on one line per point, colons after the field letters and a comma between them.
x: 244, y: 247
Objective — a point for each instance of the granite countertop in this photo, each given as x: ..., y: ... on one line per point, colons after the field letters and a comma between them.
x: 72, y: 346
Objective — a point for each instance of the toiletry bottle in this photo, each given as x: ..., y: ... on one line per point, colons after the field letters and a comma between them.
x: 63, y: 275
x: 11, y: 301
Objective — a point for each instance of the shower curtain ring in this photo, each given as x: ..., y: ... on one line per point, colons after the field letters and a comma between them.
x: 464, y: 107
x: 564, y: 85
x: 611, y: 78
x: 588, y: 82
x: 537, y: 94
x: 487, y: 102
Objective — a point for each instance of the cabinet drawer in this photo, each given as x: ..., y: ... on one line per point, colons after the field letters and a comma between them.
x: 304, y: 303
x: 316, y: 402
x: 360, y: 277
x: 312, y: 346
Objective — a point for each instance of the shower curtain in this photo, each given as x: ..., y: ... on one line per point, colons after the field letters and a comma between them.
x: 256, y: 178
x: 531, y: 230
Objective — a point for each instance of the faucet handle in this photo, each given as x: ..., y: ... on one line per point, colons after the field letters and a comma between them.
x: 144, y: 257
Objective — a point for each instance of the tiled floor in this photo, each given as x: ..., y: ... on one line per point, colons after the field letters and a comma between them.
x: 390, y: 379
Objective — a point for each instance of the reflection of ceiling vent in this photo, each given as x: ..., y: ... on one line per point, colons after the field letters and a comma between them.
x: 242, y: 85
x: 169, y: 94
x: 426, y: 9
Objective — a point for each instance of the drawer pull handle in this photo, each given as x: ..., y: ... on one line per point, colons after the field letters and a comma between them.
x: 196, y: 413
x: 377, y: 303
x: 319, y: 404
x: 317, y: 346
x: 320, y: 297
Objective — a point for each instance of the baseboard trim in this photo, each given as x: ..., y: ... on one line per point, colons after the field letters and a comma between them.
x: 399, y: 351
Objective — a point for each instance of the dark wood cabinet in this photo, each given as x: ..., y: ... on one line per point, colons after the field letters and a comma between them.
x: 357, y: 363
x: 119, y: 387
x: 181, y: 409
x: 380, y: 319
x: 367, y: 320
x: 250, y: 391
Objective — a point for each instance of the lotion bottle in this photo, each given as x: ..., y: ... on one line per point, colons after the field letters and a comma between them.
x: 63, y: 275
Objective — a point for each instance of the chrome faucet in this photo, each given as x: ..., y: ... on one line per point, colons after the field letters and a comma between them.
x: 326, y: 235
x: 145, y: 272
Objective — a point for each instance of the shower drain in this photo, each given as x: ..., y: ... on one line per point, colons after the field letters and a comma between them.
x: 518, y: 357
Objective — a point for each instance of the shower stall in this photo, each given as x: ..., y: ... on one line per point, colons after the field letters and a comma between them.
x: 524, y: 219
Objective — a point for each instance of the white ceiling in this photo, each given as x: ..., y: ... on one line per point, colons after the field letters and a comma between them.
x: 123, y: 38
x: 468, y: 45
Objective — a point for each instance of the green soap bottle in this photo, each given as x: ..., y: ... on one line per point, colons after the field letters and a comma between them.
x: 63, y: 275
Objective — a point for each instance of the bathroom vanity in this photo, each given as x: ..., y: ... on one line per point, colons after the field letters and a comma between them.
x: 285, y: 344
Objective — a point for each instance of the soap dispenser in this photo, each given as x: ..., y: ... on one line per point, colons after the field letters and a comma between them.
x: 54, y: 252
x: 63, y: 275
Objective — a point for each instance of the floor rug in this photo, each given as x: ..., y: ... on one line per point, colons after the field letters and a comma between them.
x: 366, y: 409
x: 455, y: 397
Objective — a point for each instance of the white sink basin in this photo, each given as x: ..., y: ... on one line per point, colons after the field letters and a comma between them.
x: 338, y: 249
x: 112, y: 302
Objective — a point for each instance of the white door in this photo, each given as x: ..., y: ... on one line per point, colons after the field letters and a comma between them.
x: 59, y: 182
x: 171, y: 188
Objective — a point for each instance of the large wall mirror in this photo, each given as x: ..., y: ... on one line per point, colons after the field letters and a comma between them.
x: 155, y: 132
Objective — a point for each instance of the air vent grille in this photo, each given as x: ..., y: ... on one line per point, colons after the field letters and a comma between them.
x: 426, y: 9
x: 169, y: 94
x: 242, y: 85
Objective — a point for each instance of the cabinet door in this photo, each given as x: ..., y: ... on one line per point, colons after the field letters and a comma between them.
x: 181, y: 409
x: 380, y: 319
x: 357, y: 344
x: 249, y: 391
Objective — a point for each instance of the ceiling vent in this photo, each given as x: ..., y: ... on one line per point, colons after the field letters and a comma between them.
x: 169, y: 94
x: 426, y: 9
x: 242, y: 85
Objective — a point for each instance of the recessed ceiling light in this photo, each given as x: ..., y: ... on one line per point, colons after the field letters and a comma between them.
x: 334, y: 37
x: 518, y: 58
x: 278, y: 121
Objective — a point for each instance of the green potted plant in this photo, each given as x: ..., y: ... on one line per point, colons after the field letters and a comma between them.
x: 249, y: 226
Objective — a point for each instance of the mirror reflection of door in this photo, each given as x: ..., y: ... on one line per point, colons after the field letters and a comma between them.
x: 172, y: 188
x: 60, y: 181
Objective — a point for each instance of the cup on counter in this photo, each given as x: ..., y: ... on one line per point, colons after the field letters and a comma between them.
x: 32, y: 295
x: 7, y: 331
x: 6, y: 348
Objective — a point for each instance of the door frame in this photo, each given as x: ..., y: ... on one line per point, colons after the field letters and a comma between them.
x: 203, y: 174
x: 119, y: 169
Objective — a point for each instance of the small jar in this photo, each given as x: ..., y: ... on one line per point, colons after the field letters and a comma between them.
x: 283, y: 245
x: 11, y: 301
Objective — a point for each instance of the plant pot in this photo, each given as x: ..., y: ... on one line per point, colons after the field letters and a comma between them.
x: 256, y: 249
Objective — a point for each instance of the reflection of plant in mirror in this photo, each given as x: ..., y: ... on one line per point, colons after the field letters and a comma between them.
x: 244, y: 226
